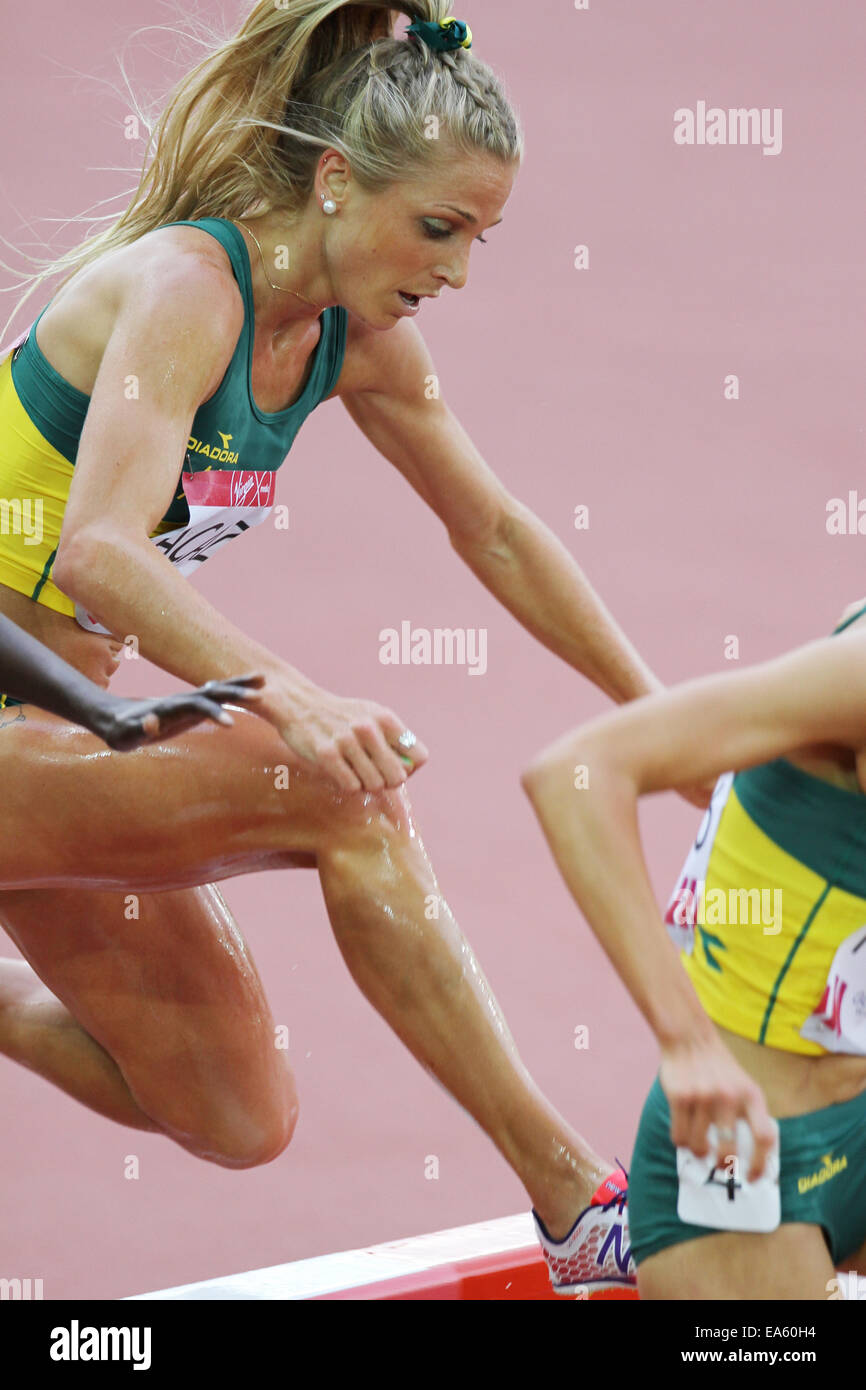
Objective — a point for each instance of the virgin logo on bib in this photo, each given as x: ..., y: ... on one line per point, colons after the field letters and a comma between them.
x: 839, y: 1021
x: 222, y: 504
x: 685, y: 906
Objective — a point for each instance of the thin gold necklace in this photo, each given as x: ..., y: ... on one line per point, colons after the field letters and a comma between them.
x: 281, y: 288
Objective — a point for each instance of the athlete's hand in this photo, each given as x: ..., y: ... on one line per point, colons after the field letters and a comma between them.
x: 354, y: 742
x: 127, y: 724
x: 705, y: 1085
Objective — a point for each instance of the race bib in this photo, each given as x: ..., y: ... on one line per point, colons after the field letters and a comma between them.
x: 683, y: 908
x: 222, y: 504
x: 722, y: 1197
x: 839, y: 1021
x: 15, y: 345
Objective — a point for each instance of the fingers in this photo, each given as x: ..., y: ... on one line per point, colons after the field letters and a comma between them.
x: 725, y: 1120
x: 240, y: 689
x: 749, y: 1106
x: 366, y: 757
x: 180, y: 712
x: 386, y: 757
x: 375, y: 766
x: 150, y: 724
x: 216, y: 712
x: 371, y: 776
x: 409, y: 755
x: 764, y: 1134
x: 331, y: 761
x: 706, y: 1087
x: 683, y: 1134
x: 148, y: 721
x: 690, y: 1129
x: 692, y: 1119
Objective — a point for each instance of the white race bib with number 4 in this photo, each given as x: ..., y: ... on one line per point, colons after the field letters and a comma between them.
x: 722, y: 1197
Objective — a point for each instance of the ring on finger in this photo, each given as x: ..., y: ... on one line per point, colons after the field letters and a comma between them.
x: 406, y: 741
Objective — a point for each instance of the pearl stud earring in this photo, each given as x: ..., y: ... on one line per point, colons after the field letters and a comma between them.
x: 329, y: 206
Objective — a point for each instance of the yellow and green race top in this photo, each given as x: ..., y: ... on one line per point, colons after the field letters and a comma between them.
x: 769, y: 911
x: 227, y: 476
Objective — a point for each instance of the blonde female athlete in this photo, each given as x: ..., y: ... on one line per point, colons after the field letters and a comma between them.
x: 770, y: 918
x: 293, y: 216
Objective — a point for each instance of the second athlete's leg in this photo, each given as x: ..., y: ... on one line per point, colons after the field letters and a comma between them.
x: 789, y: 1263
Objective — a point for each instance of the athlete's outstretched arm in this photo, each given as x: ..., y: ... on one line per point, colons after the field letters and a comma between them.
x: 34, y: 674
x: 514, y: 554
x: 692, y: 732
x: 175, y: 331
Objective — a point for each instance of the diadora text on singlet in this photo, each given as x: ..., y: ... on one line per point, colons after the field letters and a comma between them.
x: 227, y: 477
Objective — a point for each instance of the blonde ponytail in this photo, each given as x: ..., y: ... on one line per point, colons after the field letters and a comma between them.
x: 247, y: 125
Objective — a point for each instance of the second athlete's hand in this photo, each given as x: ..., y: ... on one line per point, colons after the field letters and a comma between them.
x: 706, y: 1085
x: 126, y: 724
x: 354, y: 742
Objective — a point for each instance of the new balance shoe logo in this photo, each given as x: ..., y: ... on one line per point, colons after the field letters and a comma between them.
x: 614, y: 1239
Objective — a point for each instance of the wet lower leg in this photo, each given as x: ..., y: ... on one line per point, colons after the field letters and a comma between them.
x: 40, y: 1033
x: 408, y: 956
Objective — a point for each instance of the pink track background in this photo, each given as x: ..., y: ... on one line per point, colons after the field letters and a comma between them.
x: 602, y: 387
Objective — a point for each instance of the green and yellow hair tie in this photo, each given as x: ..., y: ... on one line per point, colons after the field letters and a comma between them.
x: 443, y: 37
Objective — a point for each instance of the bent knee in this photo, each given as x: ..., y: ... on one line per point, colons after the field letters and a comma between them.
x: 367, y: 820
x: 247, y: 1141
x: 234, y: 1126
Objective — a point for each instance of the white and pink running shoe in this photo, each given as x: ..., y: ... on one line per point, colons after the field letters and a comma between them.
x: 594, y: 1260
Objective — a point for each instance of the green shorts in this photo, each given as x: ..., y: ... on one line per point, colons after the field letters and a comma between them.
x: 822, y: 1162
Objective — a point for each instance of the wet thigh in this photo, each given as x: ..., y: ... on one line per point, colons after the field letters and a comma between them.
x: 167, y: 985
x: 790, y: 1263
x: 205, y: 806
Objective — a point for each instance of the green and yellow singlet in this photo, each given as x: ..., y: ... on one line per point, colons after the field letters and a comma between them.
x: 770, y: 910
x: 226, y: 480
